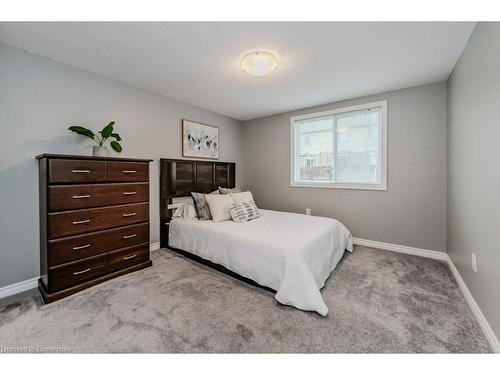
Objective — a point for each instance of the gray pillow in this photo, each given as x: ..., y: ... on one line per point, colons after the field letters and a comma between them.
x: 201, y: 205
x: 229, y: 190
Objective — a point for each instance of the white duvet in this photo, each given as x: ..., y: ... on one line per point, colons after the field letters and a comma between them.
x: 291, y: 253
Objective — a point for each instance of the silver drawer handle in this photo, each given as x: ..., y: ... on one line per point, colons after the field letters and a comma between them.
x: 81, y: 247
x: 80, y: 171
x: 128, y: 171
x: 130, y: 214
x: 81, y: 196
x: 81, y: 222
x: 129, y: 192
x: 129, y: 257
x: 80, y: 272
x: 129, y: 236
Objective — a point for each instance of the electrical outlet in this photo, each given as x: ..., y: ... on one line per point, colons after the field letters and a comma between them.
x: 474, y: 262
x: 308, y: 211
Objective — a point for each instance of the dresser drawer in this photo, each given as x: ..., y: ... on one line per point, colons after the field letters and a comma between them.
x: 67, y: 223
x: 71, y: 171
x: 77, y: 272
x: 128, y: 257
x: 72, y: 197
x: 127, y: 171
x: 69, y: 249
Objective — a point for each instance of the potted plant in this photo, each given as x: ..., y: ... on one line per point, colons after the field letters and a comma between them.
x: 106, y: 134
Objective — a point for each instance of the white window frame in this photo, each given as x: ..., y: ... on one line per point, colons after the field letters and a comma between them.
x: 336, y: 185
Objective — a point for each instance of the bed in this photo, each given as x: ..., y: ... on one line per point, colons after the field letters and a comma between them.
x: 291, y: 254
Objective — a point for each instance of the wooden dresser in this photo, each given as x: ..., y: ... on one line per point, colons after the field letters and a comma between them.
x: 94, y: 221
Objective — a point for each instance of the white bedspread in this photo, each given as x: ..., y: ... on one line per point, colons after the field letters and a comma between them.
x: 291, y: 253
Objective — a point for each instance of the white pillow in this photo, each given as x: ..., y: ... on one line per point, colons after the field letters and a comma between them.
x: 245, y: 196
x: 186, y: 211
x: 219, y: 205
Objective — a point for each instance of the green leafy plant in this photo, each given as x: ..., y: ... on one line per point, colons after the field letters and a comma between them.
x: 106, y: 134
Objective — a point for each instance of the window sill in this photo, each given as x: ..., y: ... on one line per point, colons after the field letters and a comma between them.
x: 381, y: 187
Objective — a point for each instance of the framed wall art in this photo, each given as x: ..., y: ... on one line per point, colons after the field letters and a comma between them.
x: 200, y: 140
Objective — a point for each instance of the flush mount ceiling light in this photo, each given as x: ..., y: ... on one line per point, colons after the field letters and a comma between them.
x: 259, y: 63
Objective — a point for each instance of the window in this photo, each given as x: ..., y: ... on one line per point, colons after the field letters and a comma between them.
x: 343, y: 148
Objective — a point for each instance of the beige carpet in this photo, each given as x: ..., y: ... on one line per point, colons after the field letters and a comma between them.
x: 379, y: 301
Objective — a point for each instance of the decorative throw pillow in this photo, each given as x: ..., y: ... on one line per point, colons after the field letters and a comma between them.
x: 244, y: 211
x: 200, y: 204
x: 246, y: 196
x: 219, y: 206
x: 228, y: 190
x: 186, y: 211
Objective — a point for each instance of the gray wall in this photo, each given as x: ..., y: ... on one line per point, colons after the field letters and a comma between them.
x: 474, y: 171
x: 39, y: 99
x: 413, y: 210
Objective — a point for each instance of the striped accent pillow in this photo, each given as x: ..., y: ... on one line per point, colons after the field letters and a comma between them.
x: 244, y: 211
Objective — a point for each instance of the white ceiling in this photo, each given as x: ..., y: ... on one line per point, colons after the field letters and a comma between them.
x: 198, y: 63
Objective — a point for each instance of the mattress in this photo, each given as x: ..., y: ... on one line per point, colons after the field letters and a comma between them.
x: 293, y: 254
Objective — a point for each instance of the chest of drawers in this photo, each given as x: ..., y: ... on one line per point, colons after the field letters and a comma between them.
x: 94, y: 221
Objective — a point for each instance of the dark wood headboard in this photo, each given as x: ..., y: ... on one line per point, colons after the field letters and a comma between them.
x: 179, y: 177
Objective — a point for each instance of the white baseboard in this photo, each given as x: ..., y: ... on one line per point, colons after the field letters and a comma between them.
x: 154, y: 246
x: 402, y: 249
x: 481, y: 319
x: 476, y: 311
x: 19, y: 287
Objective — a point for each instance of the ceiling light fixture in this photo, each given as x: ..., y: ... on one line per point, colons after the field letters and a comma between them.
x: 259, y: 63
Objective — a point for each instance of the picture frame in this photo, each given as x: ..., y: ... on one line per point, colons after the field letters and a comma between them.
x: 200, y: 140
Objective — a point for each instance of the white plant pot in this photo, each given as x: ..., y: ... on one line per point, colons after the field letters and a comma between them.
x: 100, y: 151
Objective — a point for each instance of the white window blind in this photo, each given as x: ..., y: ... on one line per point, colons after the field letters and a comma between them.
x: 344, y: 148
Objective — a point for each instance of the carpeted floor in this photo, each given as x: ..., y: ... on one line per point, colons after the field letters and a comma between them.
x: 379, y: 302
